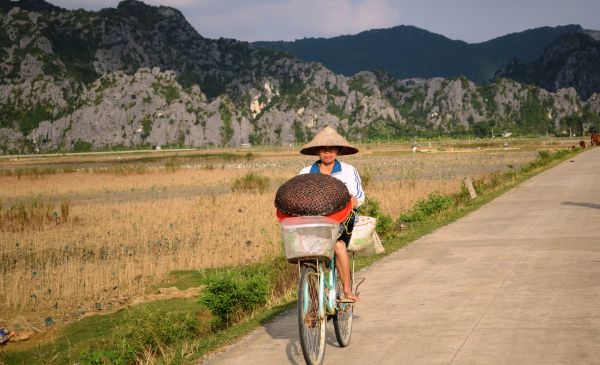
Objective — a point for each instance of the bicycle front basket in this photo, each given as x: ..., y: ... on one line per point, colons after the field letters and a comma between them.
x: 309, y: 237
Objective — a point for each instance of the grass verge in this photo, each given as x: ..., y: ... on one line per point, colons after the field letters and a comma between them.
x: 180, y: 331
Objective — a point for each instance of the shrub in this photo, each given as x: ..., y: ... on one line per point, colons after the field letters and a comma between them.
x: 232, y: 298
x: 82, y: 146
x: 425, y: 208
x: 147, y: 332
x: 544, y: 158
x: 251, y: 182
x: 146, y: 126
x: 151, y: 329
x: 121, y: 354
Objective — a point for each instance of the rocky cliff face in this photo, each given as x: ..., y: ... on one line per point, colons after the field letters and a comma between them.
x: 459, y: 105
x: 140, y: 75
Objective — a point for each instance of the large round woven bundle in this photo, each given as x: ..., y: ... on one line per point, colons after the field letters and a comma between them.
x: 312, y: 194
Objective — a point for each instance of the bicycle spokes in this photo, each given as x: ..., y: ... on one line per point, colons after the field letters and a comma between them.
x: 311, y: 321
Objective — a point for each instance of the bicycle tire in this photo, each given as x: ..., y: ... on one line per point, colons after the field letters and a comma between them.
x: 311, y: 325
x: 342, y: 319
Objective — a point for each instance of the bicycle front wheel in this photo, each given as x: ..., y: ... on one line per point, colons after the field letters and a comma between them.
x: 310, y: 322
x: 342, y: 320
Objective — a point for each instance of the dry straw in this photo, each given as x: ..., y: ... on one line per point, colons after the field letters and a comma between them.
x: 121, y: 234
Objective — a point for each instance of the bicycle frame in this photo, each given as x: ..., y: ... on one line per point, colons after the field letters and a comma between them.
x: 327, y: 278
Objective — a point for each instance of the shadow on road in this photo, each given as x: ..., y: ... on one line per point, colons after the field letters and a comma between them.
x: 286, y: 328
x: 586, y: 204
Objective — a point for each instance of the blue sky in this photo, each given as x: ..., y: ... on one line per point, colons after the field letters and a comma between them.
x: 468, y: 20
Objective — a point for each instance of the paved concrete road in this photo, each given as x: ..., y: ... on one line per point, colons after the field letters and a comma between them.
x: 517, y: 282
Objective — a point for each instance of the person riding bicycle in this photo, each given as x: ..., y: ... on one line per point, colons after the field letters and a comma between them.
x: 328, y: 145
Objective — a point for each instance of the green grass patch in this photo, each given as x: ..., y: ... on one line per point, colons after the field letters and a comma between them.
x: 251, y: 182
x: 171, y: 331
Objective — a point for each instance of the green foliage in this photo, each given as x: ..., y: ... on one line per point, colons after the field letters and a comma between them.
x: 231, y: 298
x: 544, y: 158
x: 384, y: 129
x: 371, y: 208
x: 121, y: 354
x: 360, y: 84
x: 533, y: 115
x: 427, y: 208
x: 4, y: 39
x: 405, y: 52
x: 212, y: 85
x: 170, y: 91
x: 82, y: 146
x: 251, y: 182
x: 146, y: 127
x: 226, y: 128
x: 487, y: 92
x: 484, y: 128
x: 106, y: 83
x: 256, y: 138
x: 464, y: 83
x: 292, y: 92
x: 299, y: 131
x: 336, y: 110
x: 29, y: 119
x: 291, y: 87
x: 335, y: 91
x: 573, y: 123
x: 147, y: 330
x: 593, y: 120
x: 76, y: 49
x: 153, y: 328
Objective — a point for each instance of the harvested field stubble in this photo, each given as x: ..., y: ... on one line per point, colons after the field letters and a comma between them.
x: 127, y: 231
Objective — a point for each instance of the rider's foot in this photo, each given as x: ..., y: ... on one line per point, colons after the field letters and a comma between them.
x: 350, y: 297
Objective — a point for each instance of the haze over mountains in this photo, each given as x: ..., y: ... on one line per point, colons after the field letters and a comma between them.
x: 140, y: 75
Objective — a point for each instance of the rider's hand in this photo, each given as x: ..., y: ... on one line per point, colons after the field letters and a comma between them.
x: 354, y: 201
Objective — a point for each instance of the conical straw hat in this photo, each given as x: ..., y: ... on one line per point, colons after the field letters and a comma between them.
x: 328, y: 137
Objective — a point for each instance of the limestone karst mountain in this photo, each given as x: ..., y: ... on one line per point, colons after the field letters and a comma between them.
x: 140, y: 75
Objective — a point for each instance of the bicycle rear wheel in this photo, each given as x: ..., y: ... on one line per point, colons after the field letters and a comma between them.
x: 342, y: 320
x: 310, y: 323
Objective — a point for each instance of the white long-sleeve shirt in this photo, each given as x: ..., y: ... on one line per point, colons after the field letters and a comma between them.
x: 344, y: 172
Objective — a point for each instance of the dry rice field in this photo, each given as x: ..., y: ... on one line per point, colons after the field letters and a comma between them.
x: 120, y: 223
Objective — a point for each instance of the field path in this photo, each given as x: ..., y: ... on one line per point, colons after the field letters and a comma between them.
x: 516, y: 282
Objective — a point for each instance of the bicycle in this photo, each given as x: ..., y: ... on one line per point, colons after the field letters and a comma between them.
x: 309, y: 243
